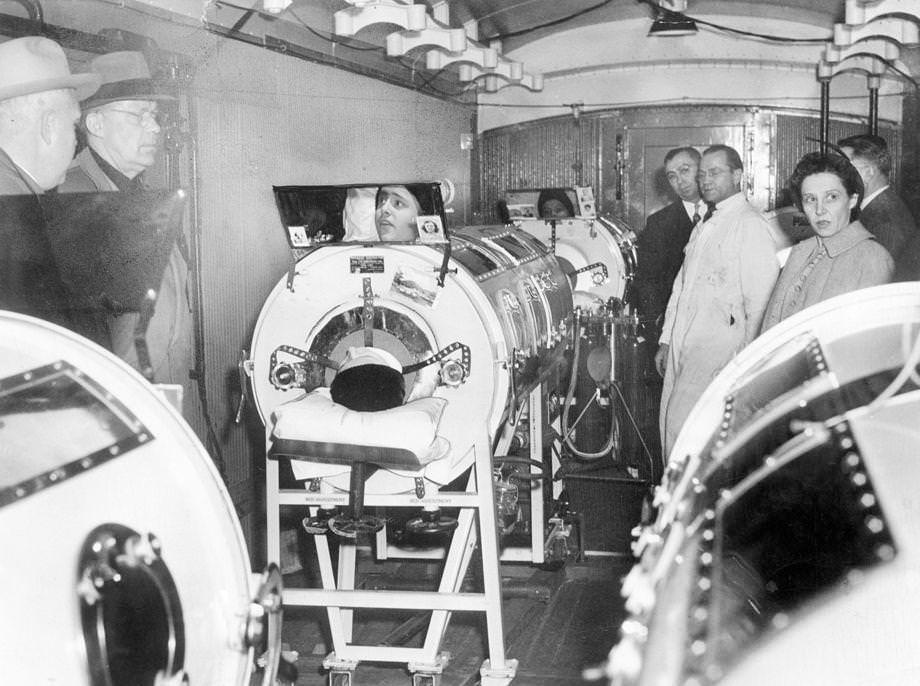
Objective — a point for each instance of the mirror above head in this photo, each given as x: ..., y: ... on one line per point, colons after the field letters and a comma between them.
x: 368, y: 213
x: 548, y: 203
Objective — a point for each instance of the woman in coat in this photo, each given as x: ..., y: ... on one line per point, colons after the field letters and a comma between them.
x: 842, y: 256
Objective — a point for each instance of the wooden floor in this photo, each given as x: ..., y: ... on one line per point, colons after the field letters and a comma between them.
x: 557, y: 623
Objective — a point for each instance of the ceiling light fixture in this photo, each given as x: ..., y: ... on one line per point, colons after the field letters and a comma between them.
x: 671, y: 21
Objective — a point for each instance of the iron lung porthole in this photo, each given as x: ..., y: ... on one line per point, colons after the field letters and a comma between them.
x: 130, y: 610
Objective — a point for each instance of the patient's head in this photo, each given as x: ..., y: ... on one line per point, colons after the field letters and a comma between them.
x: 369, y: 380
x: 554, y: 203
x: 397, y: 209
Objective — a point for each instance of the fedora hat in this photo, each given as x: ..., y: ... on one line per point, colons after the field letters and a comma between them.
x: 125, y: 76
x: 34, y: 64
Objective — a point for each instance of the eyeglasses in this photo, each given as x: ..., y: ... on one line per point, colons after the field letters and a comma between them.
x: 146, y: 118
x: 684, y: 170
x: 713, y: 173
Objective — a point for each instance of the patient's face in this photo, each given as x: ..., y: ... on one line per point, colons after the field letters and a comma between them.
x: 395, y: 215
x: 554, y: 209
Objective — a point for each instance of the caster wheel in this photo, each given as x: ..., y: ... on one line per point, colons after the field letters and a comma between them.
x: 431, y: 523
x: 318, y: 525
x: 347, y: 526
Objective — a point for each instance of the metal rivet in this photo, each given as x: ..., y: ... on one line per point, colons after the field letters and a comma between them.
x: 780, y: 620
x: 885, y: 552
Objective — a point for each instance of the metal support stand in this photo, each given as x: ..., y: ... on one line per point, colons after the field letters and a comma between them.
x: 340, y: 594
x: 429, y: 674
x: 825, y: 113
x: 874, y: 84
x: 497, y: 676
x: 534, y: 553
x: 341, y: 672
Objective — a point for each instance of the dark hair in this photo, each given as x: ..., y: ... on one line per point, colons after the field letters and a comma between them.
x: 731, y: 155
x: 832, y: 163
x: 871, y: 148
x: 555, y: 194
x: 693, y: 152
x: 420, y: 191
x: 368, y: 388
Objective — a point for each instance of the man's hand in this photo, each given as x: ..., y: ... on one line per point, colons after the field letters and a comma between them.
x: 661, y: 359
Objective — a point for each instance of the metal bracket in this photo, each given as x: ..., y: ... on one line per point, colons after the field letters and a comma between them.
x: 244, y: 368
x: 428, y: 674
x: 490, y: 676
x: 441, y: 355
x: 367, y: 313
x: 340, y: 671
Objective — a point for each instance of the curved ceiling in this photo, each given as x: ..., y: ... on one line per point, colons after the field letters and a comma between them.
x: 521, y: 21
x: 558, y: 55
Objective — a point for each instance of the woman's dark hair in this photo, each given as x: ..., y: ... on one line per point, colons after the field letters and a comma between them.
x: 555, y: 194
x: 832, y: 163
x: 368, y: 388
x: 420, y: 191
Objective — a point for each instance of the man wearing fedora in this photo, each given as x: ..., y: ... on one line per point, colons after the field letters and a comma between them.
x: 121, y: 125
x: 38, y: 112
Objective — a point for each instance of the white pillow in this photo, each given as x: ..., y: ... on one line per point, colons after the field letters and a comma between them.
x: 315, y: 417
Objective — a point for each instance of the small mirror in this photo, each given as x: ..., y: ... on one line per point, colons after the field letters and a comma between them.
x: 389, y: 212
x: 548, y: 203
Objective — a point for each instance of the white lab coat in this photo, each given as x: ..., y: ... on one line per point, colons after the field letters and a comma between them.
x: 716, y: 305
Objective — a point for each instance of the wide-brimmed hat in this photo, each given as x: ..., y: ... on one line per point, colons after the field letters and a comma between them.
x: 34, y: 64
x: 125, y: 76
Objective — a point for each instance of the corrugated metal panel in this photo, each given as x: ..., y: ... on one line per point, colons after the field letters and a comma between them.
x: 560, y: 152
x: 792, y: 141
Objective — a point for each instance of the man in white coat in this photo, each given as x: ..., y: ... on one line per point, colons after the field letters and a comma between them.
x: 720, y: 292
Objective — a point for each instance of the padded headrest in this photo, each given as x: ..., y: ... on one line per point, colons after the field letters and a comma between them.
x: 315, y: 417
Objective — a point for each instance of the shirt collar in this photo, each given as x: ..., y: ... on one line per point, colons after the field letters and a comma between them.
x: 691, y: 207
x: 24, y: 174
x: 731, y: 201
x: 872, y: 196
x: 37, y: 189
x: 843, y: 240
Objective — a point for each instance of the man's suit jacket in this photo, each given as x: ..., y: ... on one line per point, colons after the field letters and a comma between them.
x: 660, y: 255
x: 888, y: 219
x: 86, y: 176
x: 169, y: 329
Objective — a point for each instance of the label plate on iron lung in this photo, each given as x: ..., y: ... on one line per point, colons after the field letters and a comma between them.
x: 366, y: 264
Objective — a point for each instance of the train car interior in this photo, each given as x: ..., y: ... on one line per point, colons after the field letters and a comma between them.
x: 342, y: 348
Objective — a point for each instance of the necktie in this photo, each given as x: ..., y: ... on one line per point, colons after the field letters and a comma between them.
x: 710, y: 208
x: 696, y: 214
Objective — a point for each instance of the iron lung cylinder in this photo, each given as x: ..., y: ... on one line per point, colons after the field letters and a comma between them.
x: 503, y: 297
x: 601, y: 252
x: 783, y: 547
